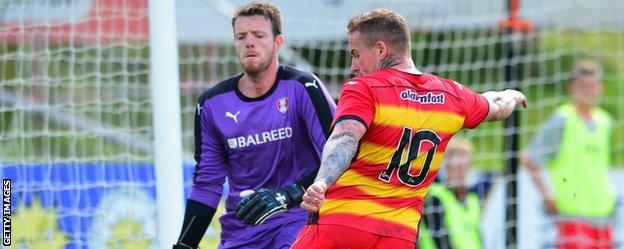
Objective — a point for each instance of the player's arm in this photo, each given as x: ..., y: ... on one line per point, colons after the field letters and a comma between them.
x: 337, y: 155
x: 355, y: 112
x: 544, y: 146
x: 257, y: 206
x: 502, y: 103
x: 208, y: 180
x: 488, y: 106
x: 536, y: 177
x: 316, y: 113
x: 197, y: 217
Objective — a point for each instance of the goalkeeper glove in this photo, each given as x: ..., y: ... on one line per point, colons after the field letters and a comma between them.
x: 259, y: 206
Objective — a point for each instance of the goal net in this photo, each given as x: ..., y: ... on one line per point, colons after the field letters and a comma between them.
x: 76, y: 133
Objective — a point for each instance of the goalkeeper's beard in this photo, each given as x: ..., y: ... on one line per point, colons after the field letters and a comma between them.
x: 255, y: 69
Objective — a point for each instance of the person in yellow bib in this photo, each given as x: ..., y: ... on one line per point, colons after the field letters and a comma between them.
x: 573, y: 147
x: 452, y: 213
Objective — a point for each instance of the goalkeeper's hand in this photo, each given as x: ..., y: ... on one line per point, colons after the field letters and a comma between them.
x: 255, y: 208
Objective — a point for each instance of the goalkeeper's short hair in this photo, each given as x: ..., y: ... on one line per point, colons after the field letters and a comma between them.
x: 269, y: 11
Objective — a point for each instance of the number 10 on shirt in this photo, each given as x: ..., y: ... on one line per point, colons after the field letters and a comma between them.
x: 414, y: 142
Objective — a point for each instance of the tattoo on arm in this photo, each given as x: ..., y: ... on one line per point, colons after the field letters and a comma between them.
x: 337, y: 155
x: 389, y: 61
x: 340, y: 149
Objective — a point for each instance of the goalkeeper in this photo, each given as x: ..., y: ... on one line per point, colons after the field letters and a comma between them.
x: 263, y: 130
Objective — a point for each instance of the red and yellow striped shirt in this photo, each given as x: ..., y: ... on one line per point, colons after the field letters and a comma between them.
x: 409, y: 120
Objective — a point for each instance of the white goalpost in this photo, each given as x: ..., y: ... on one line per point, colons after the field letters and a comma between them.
x: 165, y: 91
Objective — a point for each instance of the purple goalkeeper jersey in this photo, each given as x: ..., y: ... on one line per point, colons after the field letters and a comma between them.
x: 270, y: 141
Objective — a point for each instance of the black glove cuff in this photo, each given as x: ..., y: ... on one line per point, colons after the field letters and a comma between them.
x: 197, y: 218
x: 183, y: 246
x: 295, y: 192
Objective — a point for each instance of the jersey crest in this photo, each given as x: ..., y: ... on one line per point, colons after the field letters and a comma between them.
x: 282, y: 105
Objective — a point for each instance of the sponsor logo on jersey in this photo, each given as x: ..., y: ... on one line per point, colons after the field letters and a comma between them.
x: 260, y: 138
x: 351, y: 83
x: 427, y: 98
x: 311, y: 84
x: 282, y: 105
x: 199, y: 107
x: 233, y: 116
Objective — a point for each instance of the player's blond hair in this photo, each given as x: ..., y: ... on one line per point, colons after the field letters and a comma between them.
x: 267, y: 10
x: 382, y: 25
x: 460, y: 144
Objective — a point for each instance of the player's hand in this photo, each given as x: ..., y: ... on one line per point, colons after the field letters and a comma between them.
x: 513, y: 97
x: 503, y: 103
x: 255, y: 208
x: 314, y: 197
x: 507, y: 102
